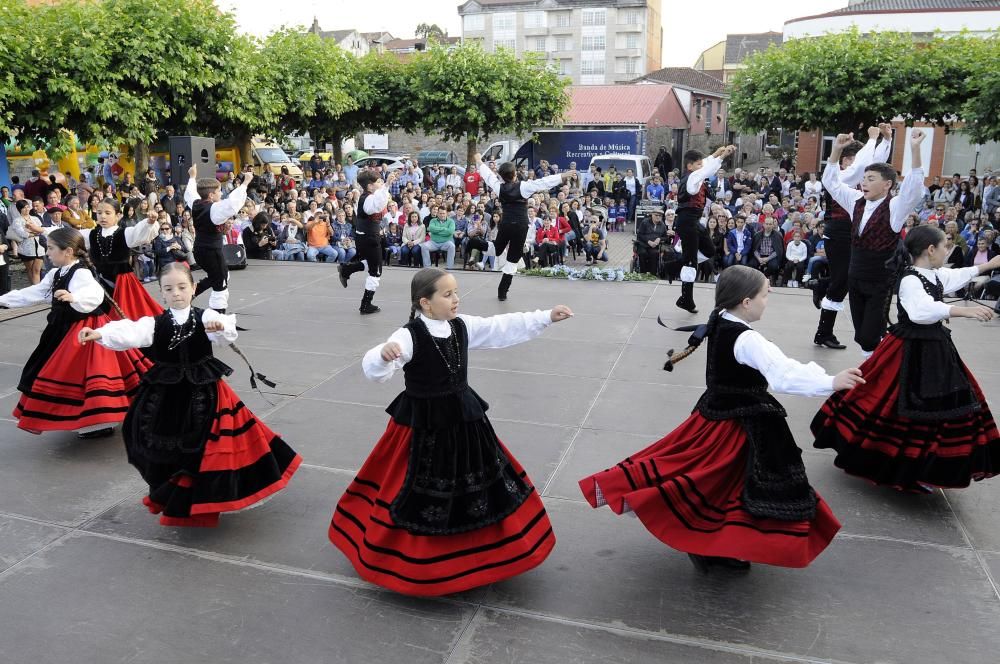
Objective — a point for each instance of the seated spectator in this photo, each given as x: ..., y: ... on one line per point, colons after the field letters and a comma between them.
x: 738, y: 243
x: 717, y: 229
x: 795, y: 259
x: 343, y: 238
x: 442, y: 232
x: 651, y: 234
x: 290, y: 244
x: 816, y: 262
x: 413, y: 236
x: 548, y: 243
x: 76, y: 216
x: 393, y: 242
x: 768, y: 250
x: 318, y: 237
x: 979, y: 254
x: 258, y: 238
x: 461, y: 227
x: 167, y: 247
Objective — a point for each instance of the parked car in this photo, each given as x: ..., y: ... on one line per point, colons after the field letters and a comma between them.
x: 393, y: 162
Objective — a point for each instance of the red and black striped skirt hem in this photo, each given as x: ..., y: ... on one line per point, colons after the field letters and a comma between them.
x: 81, y: 386
x: 687, y: 491
x: 872, y: 441
x: 133, y: 299
x: 389, y: 556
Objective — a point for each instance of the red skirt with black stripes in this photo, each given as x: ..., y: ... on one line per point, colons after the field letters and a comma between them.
x: 133, y: 299
x: 80, y: 385
x: 243, y: 463
x: 875, y: 442
x: 687, y: 490
x: 388, y: 555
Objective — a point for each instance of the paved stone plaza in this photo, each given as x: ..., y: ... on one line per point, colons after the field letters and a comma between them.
x: 88, y: 576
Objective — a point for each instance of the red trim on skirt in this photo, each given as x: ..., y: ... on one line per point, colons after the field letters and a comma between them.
x: 133, y: 299
x: 864, y: 423
x: 687, y: 490
x: 389, y: 556
x: 81, y: 386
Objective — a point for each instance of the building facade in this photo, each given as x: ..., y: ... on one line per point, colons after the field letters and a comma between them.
x: 593, y: 42
x: 725, y: 58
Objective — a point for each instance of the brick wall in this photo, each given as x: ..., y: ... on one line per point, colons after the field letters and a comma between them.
x: 809, y: 151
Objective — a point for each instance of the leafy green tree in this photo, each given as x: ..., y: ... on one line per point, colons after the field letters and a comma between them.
x: 467, y: 94
x: 425, y: 31
x: 309, y: 76
x: 380, y: 101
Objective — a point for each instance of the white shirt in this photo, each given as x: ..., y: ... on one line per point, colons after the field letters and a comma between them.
x: 87, y: 293
x: 142, y: 233
x: 795, y: 253
x: 528, y: 187
x: 222, y: 210
x: 377, y: 201
x: 783, y: 374
x: 709, y: 167
x: 813, y: 189
x: 910, y: 195
x: 492, y: 332
x: 868, y: 155
x: 126, y: 334
x: 921, y: 307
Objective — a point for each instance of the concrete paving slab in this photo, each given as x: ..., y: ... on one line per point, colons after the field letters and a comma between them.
x: 19, y: 538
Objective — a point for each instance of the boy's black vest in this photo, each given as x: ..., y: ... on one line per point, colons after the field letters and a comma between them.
x: 515, y: 206
x: 874, y: 246
x: 207, y: 234
x: 690, y: 207
x: 367, y: 224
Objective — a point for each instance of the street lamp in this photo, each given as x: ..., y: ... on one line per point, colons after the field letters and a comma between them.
x: 975, y: 166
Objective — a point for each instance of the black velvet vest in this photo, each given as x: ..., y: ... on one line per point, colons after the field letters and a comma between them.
x: 691, y: 206
x: 367, y: 224
x: 190, y: 360
x: 63, y: 312
x: 871, y: 249
x: 733, y: 390
x: 207, y: 234
x: 515, y: 206
x: 110, y: 255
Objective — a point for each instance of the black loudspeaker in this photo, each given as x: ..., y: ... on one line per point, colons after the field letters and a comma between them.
x: 188, y: 150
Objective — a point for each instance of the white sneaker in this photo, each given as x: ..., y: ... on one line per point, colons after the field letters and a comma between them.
x: 479, y: 266
x: 793, y: 284
x: 806, y: 278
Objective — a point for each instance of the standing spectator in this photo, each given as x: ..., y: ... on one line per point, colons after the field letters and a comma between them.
x: 664, y: 162
x: 27, y: 230
x: 442, y: 231
x: 35, y: 187
x: 149, y: 184
x: 351, y: 172
x: 472, y: 180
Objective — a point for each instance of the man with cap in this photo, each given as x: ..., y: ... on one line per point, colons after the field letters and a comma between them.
x: 513, y: 229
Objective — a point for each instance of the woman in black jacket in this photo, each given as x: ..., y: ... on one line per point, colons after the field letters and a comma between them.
x: 258, y: 238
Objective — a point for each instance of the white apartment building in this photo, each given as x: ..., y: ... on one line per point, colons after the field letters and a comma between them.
x: 593, y: 42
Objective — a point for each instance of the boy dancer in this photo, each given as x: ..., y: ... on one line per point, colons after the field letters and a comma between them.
x: 692, y: 195
x: 209, y: 213
x: 854, y: 159
x: 513, y: 228
x: 371, y: 209
x: 876, y: 219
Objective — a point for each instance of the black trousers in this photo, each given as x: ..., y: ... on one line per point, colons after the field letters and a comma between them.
x: 869, y: 309
x: 369, y: 249
x: 694, y: 238
x: 4, y: 278
x: 838, y: 261
x: 511, y: 236
x: 211, y: 260
x: 648, y: 257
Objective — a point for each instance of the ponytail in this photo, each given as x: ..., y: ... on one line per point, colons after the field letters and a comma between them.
x: 694, y: 341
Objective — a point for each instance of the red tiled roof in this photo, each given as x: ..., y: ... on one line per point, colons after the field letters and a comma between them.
x: 624, y: 104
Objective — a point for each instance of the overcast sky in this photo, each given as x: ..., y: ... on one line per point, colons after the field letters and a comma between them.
x: 686, y: 32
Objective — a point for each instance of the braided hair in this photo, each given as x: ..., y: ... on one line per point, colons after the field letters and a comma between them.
x: 736, y: 283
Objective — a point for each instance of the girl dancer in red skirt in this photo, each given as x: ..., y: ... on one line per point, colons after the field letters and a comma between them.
x: 200, y: 450
x: 440, y: 505
x: 728, y: 485
x: 922, y: 421
x: 66, y: 386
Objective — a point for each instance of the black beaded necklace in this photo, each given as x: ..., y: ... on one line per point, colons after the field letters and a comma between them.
x: 105, y: 245
x: 451, y: 346
x: 182, y: 331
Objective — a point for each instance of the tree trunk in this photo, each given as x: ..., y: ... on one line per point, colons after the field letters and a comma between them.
x: 140, y: 156
x: 338, y: 150
x: 244, y: 144
x: 471, y: 150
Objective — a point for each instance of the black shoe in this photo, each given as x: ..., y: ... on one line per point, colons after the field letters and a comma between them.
x: 817, y: 295
x: 829, y: 341
x: 343, y: 277
x: 366, y: 304
x: 701, y: 563
x: 99, y: 433
x: 687, y: 305
x: 729, y: 563
x: 502, y: 297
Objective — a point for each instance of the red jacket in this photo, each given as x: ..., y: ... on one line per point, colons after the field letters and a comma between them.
x: 563, y: 224
x: 552, y: 233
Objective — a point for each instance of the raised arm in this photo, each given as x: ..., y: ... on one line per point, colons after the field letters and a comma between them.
x: 709, y: 167
x: 491, y: 179
x: 844, y: 195
x: 228, y: 207
x: 506, y: 329
x: 911, y: 192
x: 377, y: 200
x: 529, y: 187
x: 191, y: 190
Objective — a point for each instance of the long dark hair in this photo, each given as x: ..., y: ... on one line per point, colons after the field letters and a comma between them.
x: 736, y: 283
x: 69, y: 238
x: 424, y: 284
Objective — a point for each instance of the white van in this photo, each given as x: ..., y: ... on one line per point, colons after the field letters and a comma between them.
x: 639, y: 164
